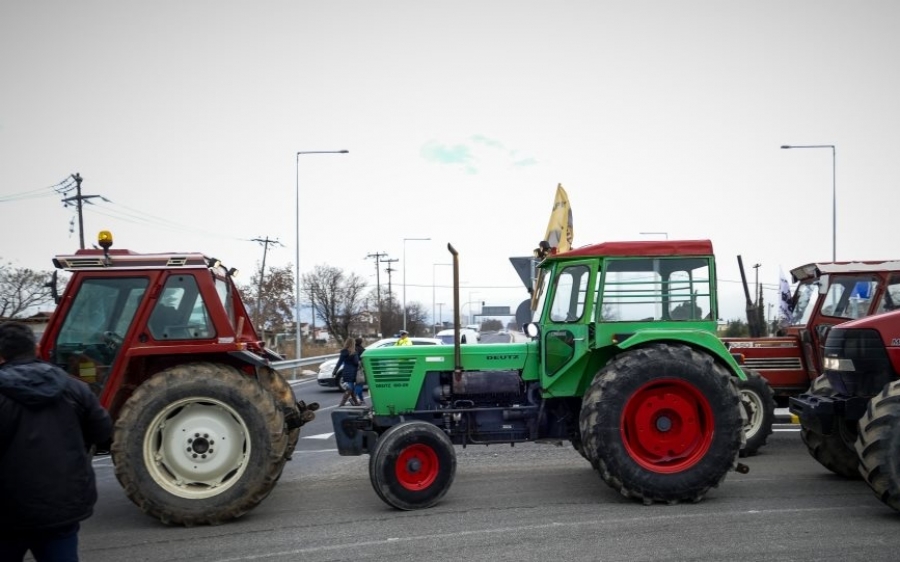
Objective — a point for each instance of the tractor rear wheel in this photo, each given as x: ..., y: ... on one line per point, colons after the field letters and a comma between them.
x: 878, y: 443
x: 758, y: 400
x: 199, y: 444
x: 662, y: 423
x: 413, y: 465
x: 836, y: 451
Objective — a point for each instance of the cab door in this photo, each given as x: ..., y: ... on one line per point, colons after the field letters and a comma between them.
x: 565, y: 329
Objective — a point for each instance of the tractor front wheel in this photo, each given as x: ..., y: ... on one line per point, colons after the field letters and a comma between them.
x: 413, y: 465
x: 199, y: 444
x: 662, y: 423
x: 835, y: 451
x: 878, y: 443
x: 757, y: 399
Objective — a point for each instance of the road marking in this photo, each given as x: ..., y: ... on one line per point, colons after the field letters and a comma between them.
x: 591, y: 525
x: 321, y: 436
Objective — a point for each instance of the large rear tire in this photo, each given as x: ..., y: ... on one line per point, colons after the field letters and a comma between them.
x: 878, y: 444
x: 836, y: 451
x: 284, y: 395
x: 199, y: 444
x: 413, y: 465
x: 662, y: 423
x: 758, y: 401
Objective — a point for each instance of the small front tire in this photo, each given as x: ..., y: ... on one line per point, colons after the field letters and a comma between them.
x: 758, y: 401
x: 834, y: 451
x: 413, y: 465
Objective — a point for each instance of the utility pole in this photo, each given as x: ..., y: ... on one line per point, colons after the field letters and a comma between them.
x: 390, y: 270
x: 265, y: 242
x: 79, y: 200
x: 378, y: 256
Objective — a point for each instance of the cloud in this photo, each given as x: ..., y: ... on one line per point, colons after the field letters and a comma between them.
x: 475, y: 152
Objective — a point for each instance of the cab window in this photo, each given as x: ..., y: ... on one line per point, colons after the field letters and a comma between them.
x: 180, y: 312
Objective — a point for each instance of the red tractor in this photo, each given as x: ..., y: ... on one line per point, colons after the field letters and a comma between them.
x: 851, y: 415
x: 203, y: 423
x: 828, y: 294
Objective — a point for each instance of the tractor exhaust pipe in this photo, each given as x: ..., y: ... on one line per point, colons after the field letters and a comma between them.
x: 457, y: 352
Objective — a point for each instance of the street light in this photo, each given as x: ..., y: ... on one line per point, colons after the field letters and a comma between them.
x: 404, y: 276
x: 666, y: 234
x: 433, y: 266
x: 833, y: 190
x: 297, y: 240
x: 470, y: 306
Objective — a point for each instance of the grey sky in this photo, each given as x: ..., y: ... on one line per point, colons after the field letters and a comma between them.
x: 460, y: 118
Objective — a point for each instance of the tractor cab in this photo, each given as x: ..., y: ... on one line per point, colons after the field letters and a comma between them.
x: 593, y: 301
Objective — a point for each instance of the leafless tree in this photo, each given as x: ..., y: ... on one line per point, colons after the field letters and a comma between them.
x: 338, y: 299
x: 417, y: 318
x: 271, y: 304
x: 23, y: 290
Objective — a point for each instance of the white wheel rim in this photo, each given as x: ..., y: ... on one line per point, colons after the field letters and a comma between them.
x: 197, y: 448
x: 754, y: 408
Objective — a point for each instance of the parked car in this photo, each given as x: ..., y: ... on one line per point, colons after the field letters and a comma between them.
x: 466, y: 336
x: 327, y: 377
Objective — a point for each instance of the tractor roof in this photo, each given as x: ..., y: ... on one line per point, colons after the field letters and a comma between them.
x: 643, y: 248
x: 815, y: 270
x: 126, y: 259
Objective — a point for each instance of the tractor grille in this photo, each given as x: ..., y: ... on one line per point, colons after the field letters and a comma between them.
x: 771, y: 363
x: 391, y: 370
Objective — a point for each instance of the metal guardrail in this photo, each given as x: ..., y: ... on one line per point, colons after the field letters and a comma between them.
x: 303, y: 362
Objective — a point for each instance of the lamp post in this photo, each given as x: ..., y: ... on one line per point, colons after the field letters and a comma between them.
x: 433, y: 266
x: 297, y: 240
x: 666, y: 234
x: 470, y: 306
x: 404, y: 275
x: 441, y: 313
x: 833, y: 190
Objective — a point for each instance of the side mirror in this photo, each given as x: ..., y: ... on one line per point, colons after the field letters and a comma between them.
x: 532, y: 330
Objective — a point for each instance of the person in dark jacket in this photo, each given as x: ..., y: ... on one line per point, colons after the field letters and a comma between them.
x: 360, y: 373
x: 48, y: 423
x: 349, y: 360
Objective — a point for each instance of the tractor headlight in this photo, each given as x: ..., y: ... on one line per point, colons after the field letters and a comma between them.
x: 838, y: 364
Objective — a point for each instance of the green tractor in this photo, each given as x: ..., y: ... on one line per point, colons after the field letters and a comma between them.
x: 623, y: 361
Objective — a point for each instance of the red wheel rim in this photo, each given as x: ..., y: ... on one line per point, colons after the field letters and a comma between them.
x: 667, y: 426
x: 417, y: 467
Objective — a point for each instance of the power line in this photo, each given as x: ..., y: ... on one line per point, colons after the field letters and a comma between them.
x: 57, y: 188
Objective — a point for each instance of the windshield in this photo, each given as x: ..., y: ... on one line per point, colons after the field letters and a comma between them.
x: 804, y: 302
x: 540, y: 294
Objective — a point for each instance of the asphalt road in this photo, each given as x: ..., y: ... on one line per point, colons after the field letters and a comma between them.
x: 525, y: 503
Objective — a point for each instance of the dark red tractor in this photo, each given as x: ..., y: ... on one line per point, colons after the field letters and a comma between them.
x: 203, y: 423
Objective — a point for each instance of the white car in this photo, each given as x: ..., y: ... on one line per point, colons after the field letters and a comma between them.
x: 327, y: 376
x: 466, y: 336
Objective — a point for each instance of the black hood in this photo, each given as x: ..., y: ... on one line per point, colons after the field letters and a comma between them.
x: 31, y: 382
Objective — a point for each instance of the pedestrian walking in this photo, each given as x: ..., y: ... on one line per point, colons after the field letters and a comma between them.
x: 349, y: 360
x: 49, y: 423
x: 360, y: 374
